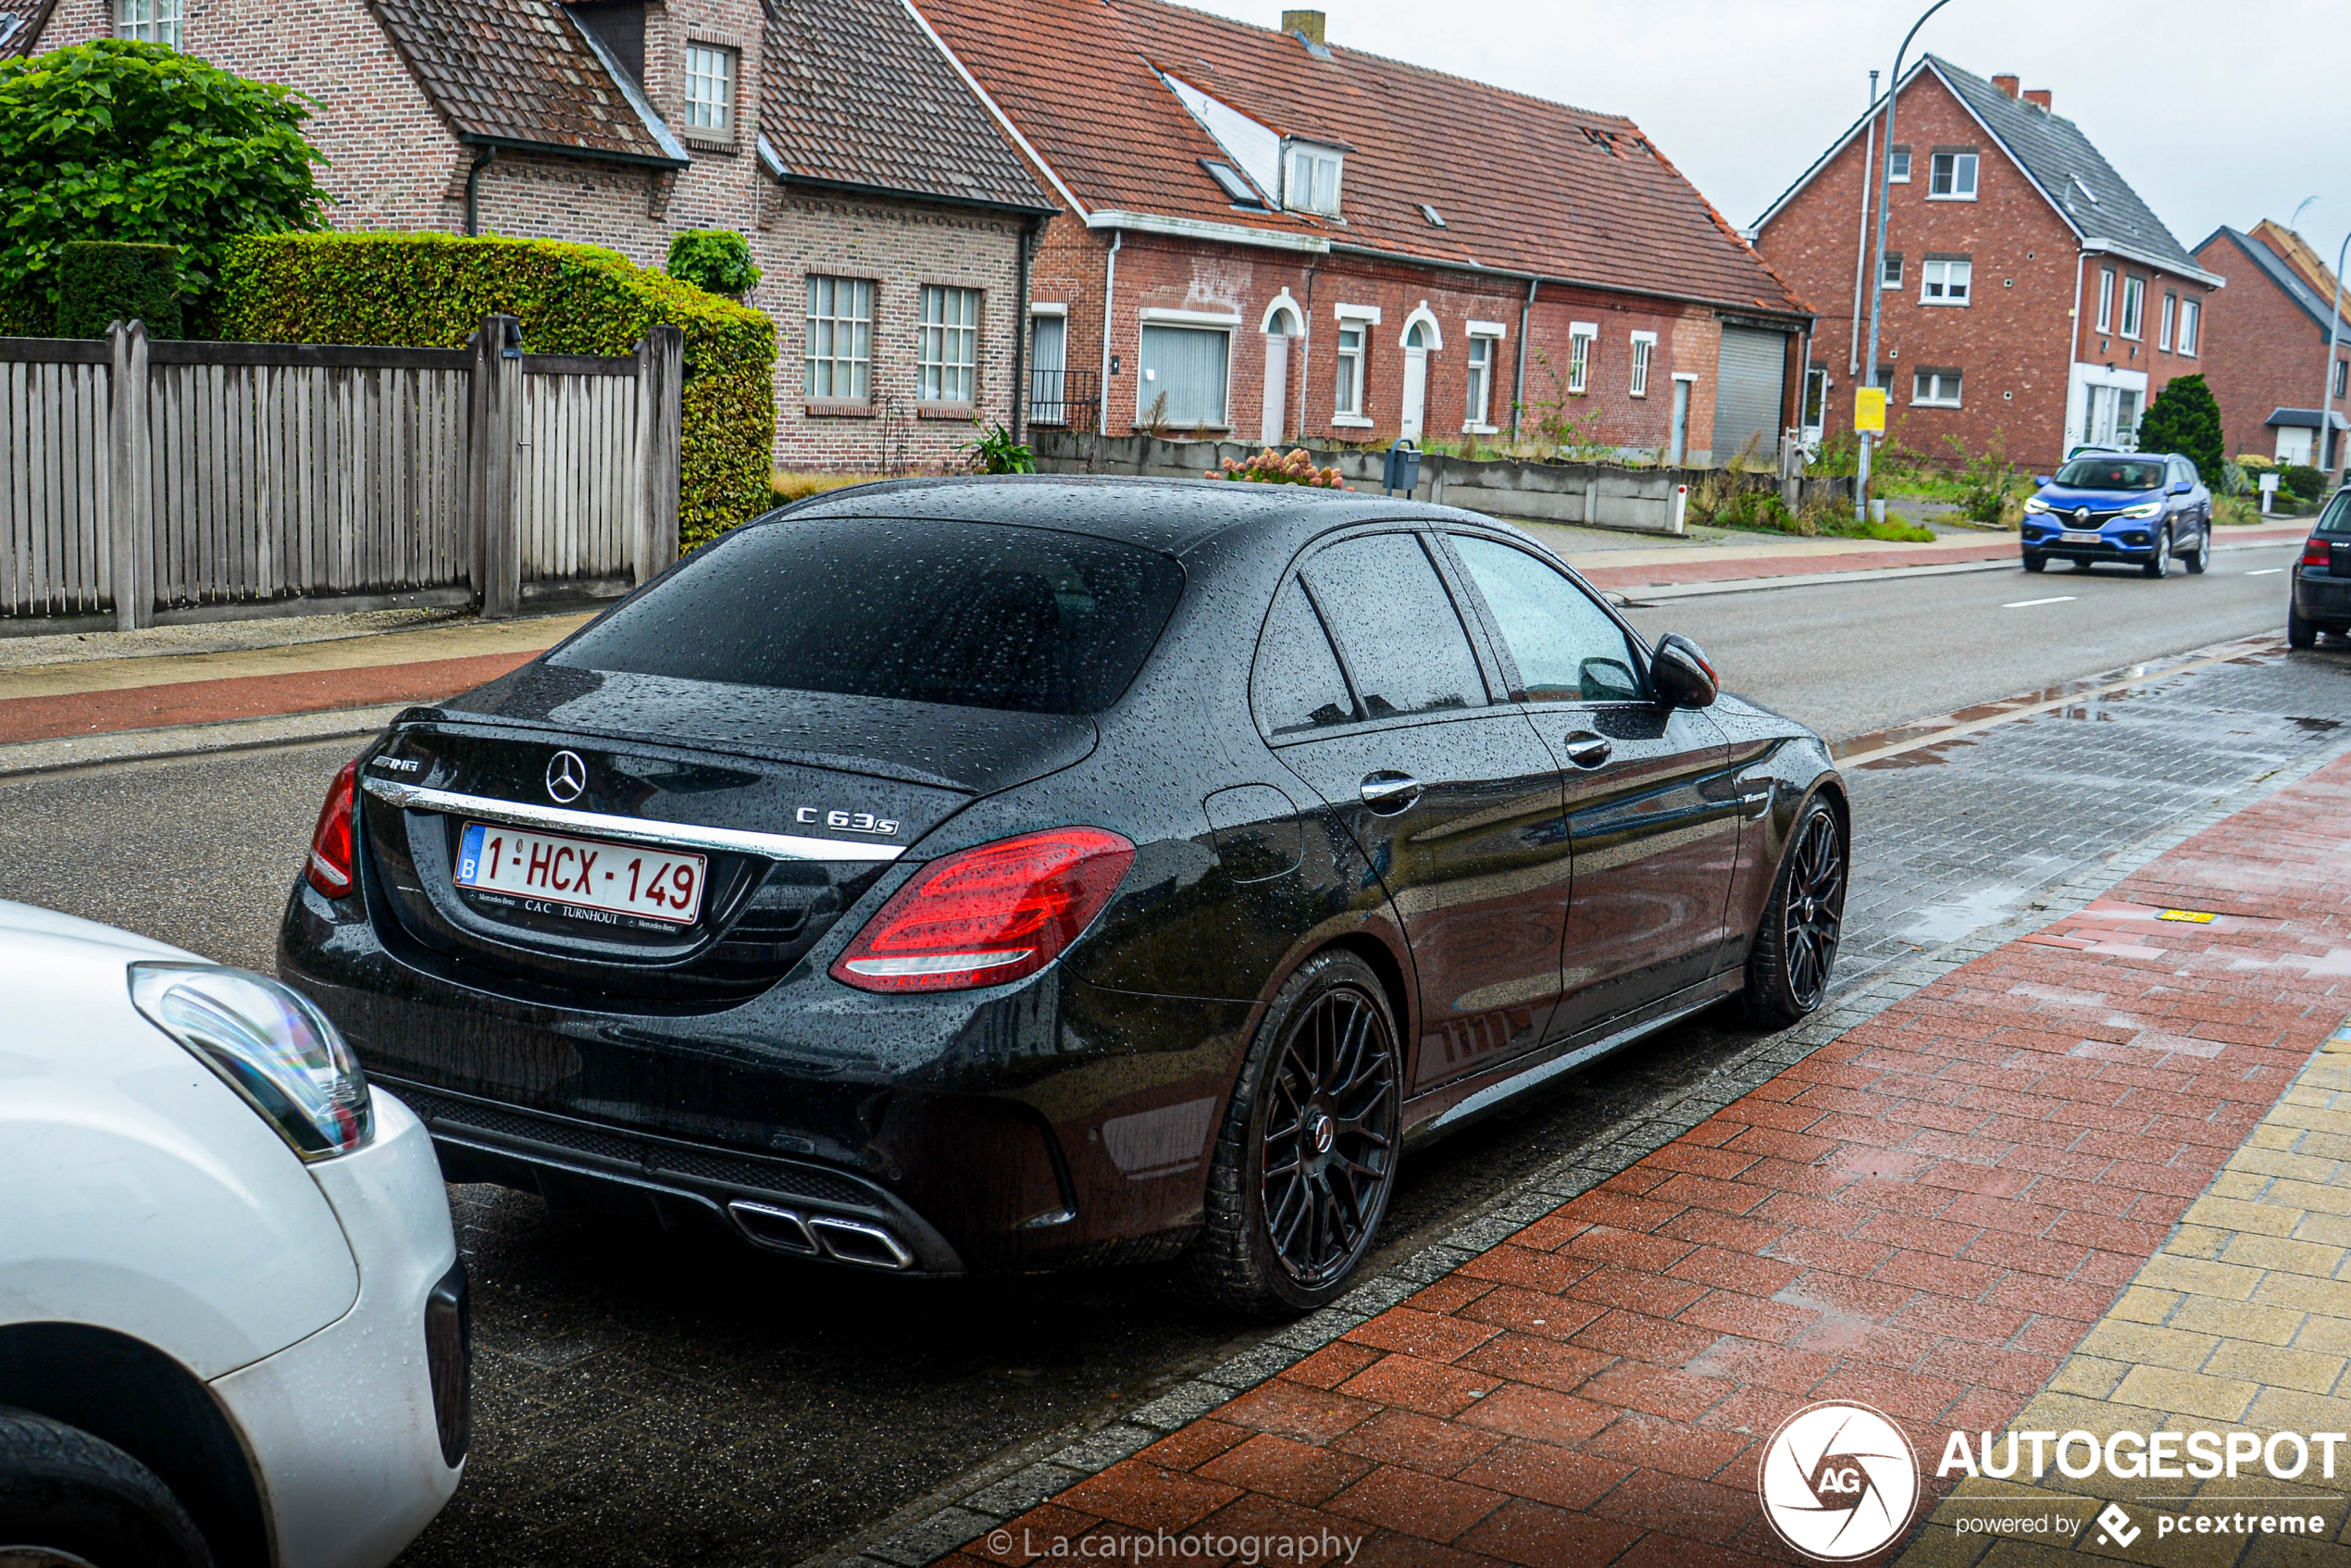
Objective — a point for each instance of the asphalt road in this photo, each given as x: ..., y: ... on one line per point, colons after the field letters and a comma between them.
x: 1855, y: 657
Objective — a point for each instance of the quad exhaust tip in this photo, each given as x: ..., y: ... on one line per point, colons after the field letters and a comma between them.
x: 819, y: 1236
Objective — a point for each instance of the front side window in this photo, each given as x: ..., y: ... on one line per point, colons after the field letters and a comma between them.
x: 2170, y: 312
x: 1481, y: 382
x: 2191, y: 324
x: 1347, y: 397
x: 1935, y: 389
x: 840, y: 338
x: 967, y: 614
x: 1952, y: 175
x: 1644, y: 345
x: 1890, y: 275
x: 710, y: 88
x: 1184, y: 373
x: 150, y: 21
x: 1567, y: 648
x: 1946, y: 281
x: 947, y: 362
x: 1396, y: 626
x: 2134, y: 298
x: 1579, y: 361
x: 1897, y: 163
x: 2105, y: 299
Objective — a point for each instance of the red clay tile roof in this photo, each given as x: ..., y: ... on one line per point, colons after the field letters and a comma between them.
x: 1524, y: 185
x: 520, y: 71
x: 21, y: 23
x: 854, y: 93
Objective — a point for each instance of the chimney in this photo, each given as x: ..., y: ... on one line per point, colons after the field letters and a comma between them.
x: 1306, y: 24
x: 2008, y: 85
x: 2038, y: 98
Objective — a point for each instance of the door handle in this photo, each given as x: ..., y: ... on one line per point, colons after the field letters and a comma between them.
x: 1587, y: 750
x: 1387, y: 792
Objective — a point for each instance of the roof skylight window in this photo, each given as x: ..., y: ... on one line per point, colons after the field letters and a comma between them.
x: 1435, y: 219
x: 1238, y: 189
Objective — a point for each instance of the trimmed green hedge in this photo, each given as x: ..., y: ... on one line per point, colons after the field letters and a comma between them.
x: 434, y: 290
x: 102, y: 281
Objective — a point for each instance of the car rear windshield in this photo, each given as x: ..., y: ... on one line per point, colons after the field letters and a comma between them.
x: 970, y: 614
x: 2111, y: 473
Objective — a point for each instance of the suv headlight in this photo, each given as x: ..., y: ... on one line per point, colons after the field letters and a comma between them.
x: 2036, y: 504
x: 270, y: 1043
x: 2146, y: 509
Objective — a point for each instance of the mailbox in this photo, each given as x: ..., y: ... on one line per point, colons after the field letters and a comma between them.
x: 1403, y: 469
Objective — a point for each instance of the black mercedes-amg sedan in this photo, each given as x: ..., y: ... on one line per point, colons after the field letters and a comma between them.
x: 945, y: 876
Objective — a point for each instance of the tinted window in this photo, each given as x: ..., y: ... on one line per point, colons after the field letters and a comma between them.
x: 2111, y: 473
x: 1567, y: 648
x: 972, y: 614
x: 1299, y: 684
x: 2337, y: 516
x: 1403, y: 640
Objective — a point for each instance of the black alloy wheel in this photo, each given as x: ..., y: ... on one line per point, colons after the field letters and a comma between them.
x: 2159, y: 563
x: 1788, y: 968
x: 1307, y: 1157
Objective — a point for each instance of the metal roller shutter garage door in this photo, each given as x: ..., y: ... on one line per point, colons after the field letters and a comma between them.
x: 1746, y: 392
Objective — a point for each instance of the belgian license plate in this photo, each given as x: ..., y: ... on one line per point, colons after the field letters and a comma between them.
x: 2078, y: 536
x: 585, y: 877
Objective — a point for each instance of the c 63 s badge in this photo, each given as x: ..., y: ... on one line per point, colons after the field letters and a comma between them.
x: 846, y: 821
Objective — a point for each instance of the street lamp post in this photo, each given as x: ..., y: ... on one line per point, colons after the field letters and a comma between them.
x: 2335, y: 342
x: 1877, y: 261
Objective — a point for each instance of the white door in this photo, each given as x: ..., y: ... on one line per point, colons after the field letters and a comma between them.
x: 1276, y: 385
x: 1415, y: 385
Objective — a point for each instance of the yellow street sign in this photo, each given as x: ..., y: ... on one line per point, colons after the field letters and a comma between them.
x: 1868, y: 409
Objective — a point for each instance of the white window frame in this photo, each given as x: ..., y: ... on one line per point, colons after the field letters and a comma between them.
x: 1314, y: 158
x: 947, y: 347
x: 150, y: 21
x: 2342, y: 376
x: 1894, y: 279
x: 1937, y: 400
x: 1898, y: 164
x: 2191, y: 326
x: 1644, y: 349
x: 1351, y: 367
x: 859, y: 361
x: 2170, y: 311
x: 1944, y: 281
x: 706, y: 116
x: 1228, y: 323
x: 1581, y: 336
x: 1485, y: 357
x: 1971, y: 163
x: 2105, y: 299
x: 2135, y: 307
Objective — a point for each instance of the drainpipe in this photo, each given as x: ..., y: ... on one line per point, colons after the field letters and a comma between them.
x: 1306, y: 344
x: 483, y: 158
x: 1861, y: 242
x: 1029, y: 233
x: 1518, y: 391
x: 1110, y: 313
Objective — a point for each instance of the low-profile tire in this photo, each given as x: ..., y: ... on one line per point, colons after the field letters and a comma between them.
x: 2159, y: 563
x: 1306, y: 1159
x: 69, y: 1498
x: 1795, y: 948
x: 2299, y: 633
x: 2035, y: 562
x: 2202, y: 557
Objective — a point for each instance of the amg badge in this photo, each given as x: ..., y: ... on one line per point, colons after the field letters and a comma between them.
x: 846, y: 821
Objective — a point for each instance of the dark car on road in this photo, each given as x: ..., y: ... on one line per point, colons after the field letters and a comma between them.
x: 2146, y: 509
x: 2320, y: 600
x: 943, y: 876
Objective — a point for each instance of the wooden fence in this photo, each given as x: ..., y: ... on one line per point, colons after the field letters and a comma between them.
x: 150, y: 481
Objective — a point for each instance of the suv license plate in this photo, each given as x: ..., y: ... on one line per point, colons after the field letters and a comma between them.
x: 2078, y: 536
x: 584, y: 873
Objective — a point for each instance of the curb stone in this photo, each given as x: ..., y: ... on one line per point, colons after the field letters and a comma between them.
x: 1607, y: 1153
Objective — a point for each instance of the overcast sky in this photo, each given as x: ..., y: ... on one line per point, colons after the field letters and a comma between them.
x: 2216, y: 113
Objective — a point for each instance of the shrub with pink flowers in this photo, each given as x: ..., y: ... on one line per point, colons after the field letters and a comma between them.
x: 1270, y: 468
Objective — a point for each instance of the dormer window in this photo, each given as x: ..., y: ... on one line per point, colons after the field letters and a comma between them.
x: 1310, y: 177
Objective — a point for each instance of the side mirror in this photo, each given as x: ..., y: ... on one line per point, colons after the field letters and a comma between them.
x: 2181, y: 486
x: 1680, y: 674
x: 2042, y: 479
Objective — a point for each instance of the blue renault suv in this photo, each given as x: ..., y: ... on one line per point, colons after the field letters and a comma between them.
x: 2147, y: 509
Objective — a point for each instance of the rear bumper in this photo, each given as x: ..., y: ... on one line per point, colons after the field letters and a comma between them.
x: 2324, y: 599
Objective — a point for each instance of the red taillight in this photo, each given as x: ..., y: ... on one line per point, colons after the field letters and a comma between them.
x: 2316, y: 552
x: 988, y: 916
x: 331, y: 840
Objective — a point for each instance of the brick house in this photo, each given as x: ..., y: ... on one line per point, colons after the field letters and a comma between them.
x: 2027, y: 292
x: 1287, y: 238
x: 889, y: 216
x: 2275, y: 316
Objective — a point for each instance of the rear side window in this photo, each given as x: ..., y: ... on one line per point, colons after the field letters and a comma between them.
x: 1298, y: 683
x: 969, y: 615
x: 1396, y: 625
x: 2336, y: 518
x: 1566, y: 647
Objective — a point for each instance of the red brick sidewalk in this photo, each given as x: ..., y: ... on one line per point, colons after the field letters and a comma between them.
x: 246, y: 696
x: 1924, y: 1215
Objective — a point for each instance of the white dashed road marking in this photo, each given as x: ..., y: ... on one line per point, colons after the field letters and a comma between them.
x: 2028, y: 603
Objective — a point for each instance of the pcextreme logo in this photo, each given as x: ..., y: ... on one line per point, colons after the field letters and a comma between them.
x: 1838, y: 1481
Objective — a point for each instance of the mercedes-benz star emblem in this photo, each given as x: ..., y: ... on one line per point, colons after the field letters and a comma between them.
x: 566, y: 777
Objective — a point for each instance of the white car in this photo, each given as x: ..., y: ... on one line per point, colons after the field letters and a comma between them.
x: 232, y: 1316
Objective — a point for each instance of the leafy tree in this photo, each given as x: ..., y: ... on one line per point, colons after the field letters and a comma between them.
x: 715, y: 259
x: 2186, y: 418
x: 117, y: 140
